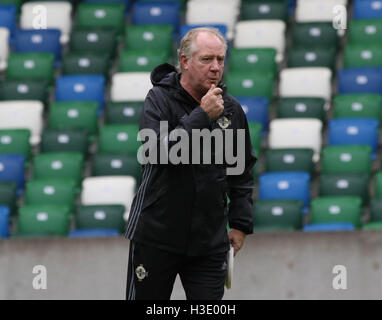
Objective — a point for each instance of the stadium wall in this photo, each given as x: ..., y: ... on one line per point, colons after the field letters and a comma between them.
x: 270, y: 266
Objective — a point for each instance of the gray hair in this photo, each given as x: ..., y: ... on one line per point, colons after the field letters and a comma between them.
x: 187, y: 45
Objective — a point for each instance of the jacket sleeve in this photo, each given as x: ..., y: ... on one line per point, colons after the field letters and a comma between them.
x: 240, y: 187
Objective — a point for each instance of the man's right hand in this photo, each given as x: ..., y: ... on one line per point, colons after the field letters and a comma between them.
x: 212, y: 102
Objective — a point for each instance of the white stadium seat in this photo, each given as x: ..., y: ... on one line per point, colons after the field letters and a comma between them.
x: 109, y: 190
x: 317, y: 10
x: 130, y: 86
x: 4, y: 48
x: 296, y: 133
x: 23, y: 115
x: 58, y: 16
x: 261, y: 34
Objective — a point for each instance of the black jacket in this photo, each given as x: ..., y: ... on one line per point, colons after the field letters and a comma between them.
x: 182, y: 208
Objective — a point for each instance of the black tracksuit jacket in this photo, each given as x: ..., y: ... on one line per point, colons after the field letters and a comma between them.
x: 182, y: 208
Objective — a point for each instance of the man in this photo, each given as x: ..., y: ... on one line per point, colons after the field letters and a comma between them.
x: 178, y: 219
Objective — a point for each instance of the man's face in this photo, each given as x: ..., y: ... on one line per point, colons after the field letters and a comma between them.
x: 207, y: 64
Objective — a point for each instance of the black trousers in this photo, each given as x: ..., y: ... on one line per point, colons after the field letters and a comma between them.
x: 151, y: 274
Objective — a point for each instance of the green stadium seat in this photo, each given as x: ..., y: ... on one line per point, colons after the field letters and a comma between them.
x: 24, y: 90
x: 43, y: 220
x: 255, y: 129
x: 301, y: 108
x: 59, y: 165
x: 378, y: 185
x: 15, y: 141
x: 151, y: 37
x: 277, y: 215
x: 119, y: 139
x: 365, y: 31
x: 362, y: 56
x: 101, y: 15
x: 316, y: 34
x: 312, y: 57
x: 376, y: 209
x: 250, y: 84
x: 86, y: 63
x: 346, y: 159
x: 357, y: 105
x: 123, y: 112
x: 264, y: 10
x: 345, y: 184
x: 300, y: 159
x: 377, y: 225
x: 33, y: 65
x: 8, y: 195
x: 92, y: 217
x: 141, y: 60
x: 74, y: 115
x: 63, y: 140
x: 336, y: 209
x: 253, y: 59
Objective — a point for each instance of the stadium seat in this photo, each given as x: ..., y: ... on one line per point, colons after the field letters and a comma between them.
x: 64, y: 140
x: 126, y: 2
x: 250, y: 84
x: 8, y: 195
x: 256, y: 110
x: 306, y: 82
x: 336, y: 209
x: 4, y: 222
x: 285, y: 185
x: 8, y: 18
x: 376, y: 209
x: 378, y: 185
x: 116, y: 165
x: 252, y: 59
x: 86, y: 63
x: 42, y: 40
x: 119, y: 139
x: 316, y: 34
x: 277, y: 215
x: 130, y: 86
x: 22, y: 115
x: 57, y: 14
x: 300, y: 159
x: 141, y: 60
x: 4, y: 47
x: 360, y: 80
x: 312, y: 57
x: 365, y: 32
x: 301, y: 108
x: 358, y: 106
x: 43, y: 220
x: 101, y: 217
x: 96, y: 233
x: 109, y: 15
x: 346, y: 159
x: 296, y: 133
x: 109, y: 190
x: 93, y: 41
x: 123, y: 112
x: 184, y: 28
x: 261, y: 34
x: 345, y: 184
x: 367, y: 9
x: 59, y: 165
x: 329, y: 227
x: 157, y: 13
x: 51, y: 191
x: 255, y: 129
x: 377, y: 225
x: 316, y: 10
x: 350, y: 131
x: 71, y: 115
x: 15, y: 141
x: 24, y: 90
x: 34, y: 66
x: 362, y: 56
x: 12, y: 170
x: 81, y: 88
x: 264, y: 10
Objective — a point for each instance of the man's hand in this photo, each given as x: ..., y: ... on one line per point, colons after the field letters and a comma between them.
x: 236, y: 239
x: 212, y: 102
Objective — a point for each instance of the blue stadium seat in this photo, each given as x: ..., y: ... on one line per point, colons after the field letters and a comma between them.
x: 285, y: 185
x: 93, y: 233
x: 29, y: 40
x: 81, y: 88
x: 360, y: 80
x: 8, y: 18
x: 12, y: 169
x: 354, y: 131
x: 187, y: 27
x: 157, y: 13
x: 4, y: 223
x: 256, y: 110
x: 367, y: 9
x: 328, y: 227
